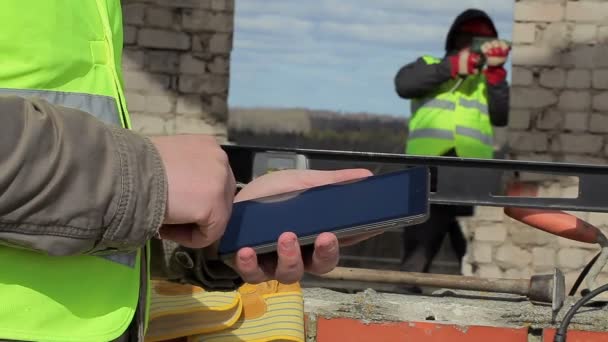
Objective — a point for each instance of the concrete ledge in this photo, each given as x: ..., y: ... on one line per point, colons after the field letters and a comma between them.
x: 459, y: 308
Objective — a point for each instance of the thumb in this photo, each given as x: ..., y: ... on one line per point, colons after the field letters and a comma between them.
x: 195, y: 235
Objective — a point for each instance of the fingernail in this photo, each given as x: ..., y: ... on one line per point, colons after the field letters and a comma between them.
x: 246, y: 258
x: 329, y: 249
x: 332, y: 246
x: 289, y: 244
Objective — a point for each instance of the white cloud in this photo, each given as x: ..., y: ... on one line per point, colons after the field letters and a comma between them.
x: 318, y: 58
x: 273, y: 23
x: 389, y: 33
x: 445, y: 6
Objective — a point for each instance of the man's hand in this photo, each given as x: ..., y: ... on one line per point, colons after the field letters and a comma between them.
x: 496, y: 52
x: 290, y: 264
x: 201, y: 189
x: 465, y: 63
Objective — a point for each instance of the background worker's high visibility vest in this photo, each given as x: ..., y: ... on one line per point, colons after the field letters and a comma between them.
x: 69, y: 53
x: 454, y: 116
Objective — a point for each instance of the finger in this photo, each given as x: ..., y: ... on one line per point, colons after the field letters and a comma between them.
x: 329, y: 177
x: 485, y: 48
x: 213, y: 229
x: 295, y: 180
x: 231, y: 188
x: 226, y: 210
x: 503, y: 45
x: 290, y: 266
x: 209, y: 233
x: 246, y: 265
x: 326, y: 254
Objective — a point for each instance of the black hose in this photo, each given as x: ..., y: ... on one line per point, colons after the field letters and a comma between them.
x: 560, y: 335
x: 582, y: 275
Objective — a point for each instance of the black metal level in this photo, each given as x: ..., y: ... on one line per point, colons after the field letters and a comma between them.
x: 461, y: 181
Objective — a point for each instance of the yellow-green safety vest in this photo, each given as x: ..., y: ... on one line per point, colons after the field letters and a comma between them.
x: 69, y: 53
x: 455, y: 116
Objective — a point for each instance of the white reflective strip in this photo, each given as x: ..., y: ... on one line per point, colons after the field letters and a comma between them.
x: 103, y: 108
x: 432, y: 103
x: 475, y: 105
x: 475, y: 134
x: 434, y: 133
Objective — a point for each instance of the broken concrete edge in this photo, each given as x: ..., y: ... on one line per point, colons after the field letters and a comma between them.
x: 459, y: 308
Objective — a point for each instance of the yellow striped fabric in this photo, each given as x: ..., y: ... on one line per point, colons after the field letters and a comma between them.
x: 282, y: 321
x: 178, y: 310
x: 265, y: 312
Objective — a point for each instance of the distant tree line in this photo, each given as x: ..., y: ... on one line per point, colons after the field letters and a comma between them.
x: 327, y: 130
x: 324, y: 130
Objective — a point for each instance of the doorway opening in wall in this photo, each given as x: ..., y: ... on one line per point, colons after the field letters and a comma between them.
x: 322, y: 74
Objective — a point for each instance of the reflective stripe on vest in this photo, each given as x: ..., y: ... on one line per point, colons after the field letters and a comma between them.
x: 69, y: 53
x: 449, y: 105
x: 102, y: 107
x: 433, y: 103
x: 481, y: 107
x: 436, y: 133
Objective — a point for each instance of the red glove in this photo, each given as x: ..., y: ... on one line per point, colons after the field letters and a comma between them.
x: 496, y: 53
x: 495, y: 75
x: 464, y: 63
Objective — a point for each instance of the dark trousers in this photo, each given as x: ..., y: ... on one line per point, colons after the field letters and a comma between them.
x: 422, y: 242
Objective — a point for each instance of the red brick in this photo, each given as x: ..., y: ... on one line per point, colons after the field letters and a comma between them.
x: 348, y: 330
x: 577, y: 336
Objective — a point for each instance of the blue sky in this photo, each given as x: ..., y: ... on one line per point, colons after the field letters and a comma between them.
x: 339, y: 55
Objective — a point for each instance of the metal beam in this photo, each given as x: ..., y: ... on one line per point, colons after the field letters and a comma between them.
x: 460, y: 181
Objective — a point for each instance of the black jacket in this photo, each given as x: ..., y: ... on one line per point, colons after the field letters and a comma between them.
x: 416, y: 79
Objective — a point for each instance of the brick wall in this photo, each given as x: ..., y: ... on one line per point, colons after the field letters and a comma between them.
x: 176, y: 65
x: 559, y: 113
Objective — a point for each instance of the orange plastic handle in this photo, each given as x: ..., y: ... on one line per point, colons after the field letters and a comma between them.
x: 555, y: 222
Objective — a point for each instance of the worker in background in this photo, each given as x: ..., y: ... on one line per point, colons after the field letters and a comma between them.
x: 81, y: 196
x: 455, y: 101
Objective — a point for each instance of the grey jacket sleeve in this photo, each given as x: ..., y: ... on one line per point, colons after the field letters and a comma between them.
x: 72, y: 185
x: 498, y: 103
x: 418, y: 78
